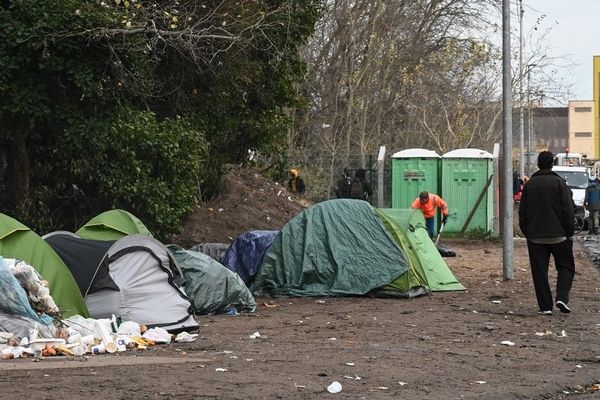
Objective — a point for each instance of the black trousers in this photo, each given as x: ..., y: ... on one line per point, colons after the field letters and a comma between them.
x: 539, y: 258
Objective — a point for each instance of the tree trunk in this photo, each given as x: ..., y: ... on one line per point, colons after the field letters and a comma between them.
x: 17, y: 175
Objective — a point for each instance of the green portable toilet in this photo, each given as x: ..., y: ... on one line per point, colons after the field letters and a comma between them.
x: 467, y: 175
x: 413, y: 171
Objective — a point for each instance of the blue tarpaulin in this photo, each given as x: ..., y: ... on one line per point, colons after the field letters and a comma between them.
x: 244, y: 256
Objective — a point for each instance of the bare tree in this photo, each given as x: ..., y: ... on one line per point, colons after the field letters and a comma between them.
x: 384, y: 72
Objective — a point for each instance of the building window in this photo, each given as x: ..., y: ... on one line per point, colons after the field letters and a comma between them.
x: 583, y: 134
x: 583, y: 109
x: 563, y: 142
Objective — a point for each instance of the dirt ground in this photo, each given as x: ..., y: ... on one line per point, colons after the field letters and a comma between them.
x: 248, y: 202
x: 448, y: 346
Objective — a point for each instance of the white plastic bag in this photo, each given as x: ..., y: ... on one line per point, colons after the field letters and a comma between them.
x: 129, y: 328
x: 157, y: 335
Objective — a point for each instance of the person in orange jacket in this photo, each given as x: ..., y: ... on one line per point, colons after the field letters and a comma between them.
x: 428, y: 204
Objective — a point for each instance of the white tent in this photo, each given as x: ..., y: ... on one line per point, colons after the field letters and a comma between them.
x: 135, y: 278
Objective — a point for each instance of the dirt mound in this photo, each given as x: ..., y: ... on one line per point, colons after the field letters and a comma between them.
x: 248, y: 201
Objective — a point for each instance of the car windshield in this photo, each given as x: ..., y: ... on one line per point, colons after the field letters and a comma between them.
x: 575, y: 179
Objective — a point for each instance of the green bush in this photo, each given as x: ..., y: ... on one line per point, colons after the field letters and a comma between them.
x: 132, y: 161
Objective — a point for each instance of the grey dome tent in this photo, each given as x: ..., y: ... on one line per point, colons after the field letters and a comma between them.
x: 135, y: 278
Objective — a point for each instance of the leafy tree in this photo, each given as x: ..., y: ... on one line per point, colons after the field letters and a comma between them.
x: 81, y: 81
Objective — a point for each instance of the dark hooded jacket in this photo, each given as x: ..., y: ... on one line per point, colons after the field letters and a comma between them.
x: 546, y: 209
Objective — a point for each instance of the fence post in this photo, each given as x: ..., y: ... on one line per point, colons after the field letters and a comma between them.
x: 380, y: 176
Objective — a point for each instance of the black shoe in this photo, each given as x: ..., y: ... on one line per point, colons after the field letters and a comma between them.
x: 562, y: 306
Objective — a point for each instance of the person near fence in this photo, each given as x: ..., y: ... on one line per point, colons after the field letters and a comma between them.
x: 360, y: 188
x: 517, y: 187
x: 296, y: 183
x: 547, y: 220
x: 428, y: 203
x: 343, y: 185
x: 592, y: 203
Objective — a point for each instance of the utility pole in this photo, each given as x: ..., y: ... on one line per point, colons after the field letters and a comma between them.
x: 529, y: 127
x: 521, y: 76
x: 507, y: 228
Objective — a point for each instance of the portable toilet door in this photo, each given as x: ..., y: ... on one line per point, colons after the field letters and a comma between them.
x: 466, y: 176
x: 413, y: 171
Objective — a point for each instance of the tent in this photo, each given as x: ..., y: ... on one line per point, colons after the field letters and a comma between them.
x: 346, y: 247
x: 135, y: 278
x: 428, y: 270
x: 112, y: 225
x: 245, y: 254
x: 214, y: 250
x: 20, y: 242
x: 212, y: 288
x: 335, y: 248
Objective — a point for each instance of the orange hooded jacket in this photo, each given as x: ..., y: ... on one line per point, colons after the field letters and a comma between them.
x: 428, y: 208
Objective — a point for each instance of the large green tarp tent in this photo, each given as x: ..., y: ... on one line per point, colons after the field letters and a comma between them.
x: 113, y: 225
x: 20, y: 242
x: 334, y: 248
x: 427, y: 268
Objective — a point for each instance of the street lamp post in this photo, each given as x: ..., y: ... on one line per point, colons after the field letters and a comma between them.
x: 529, y: 166
x: 522, y: 128
x: 507, y: 151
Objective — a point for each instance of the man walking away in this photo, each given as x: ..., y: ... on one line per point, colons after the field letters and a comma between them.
x: 592, y: 204
x: 343, y: 185
x: 428, y: 204
x: 547, y: 220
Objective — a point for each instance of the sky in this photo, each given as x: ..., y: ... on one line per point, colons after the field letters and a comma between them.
x: 575, y: 34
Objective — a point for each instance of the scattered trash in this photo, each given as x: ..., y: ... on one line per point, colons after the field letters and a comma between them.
x: 186, y: 337
x: 221, y: 369
x: 332, y: 339
x: 355, y: 377
x: 157, y: 335
x: 335, y: 387
x: 402, y: 383
x: 480, y: 382
x: 563, y: 334
x: 255, y: 335
x: 496, y: 302
x: 546, y: 333
x: 320, y: 301
x: 350, y: 364
x: 382, y: 388
x: 507, y: 343
x: 221, y: 209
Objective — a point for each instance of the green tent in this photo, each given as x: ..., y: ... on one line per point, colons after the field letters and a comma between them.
x: 20, y: 242
x: 212, y: 288
x: 427, y: 268
x: 113, y: 225
x: 334, y: 248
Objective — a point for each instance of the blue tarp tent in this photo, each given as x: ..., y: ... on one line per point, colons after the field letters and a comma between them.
x: 244, y: 256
